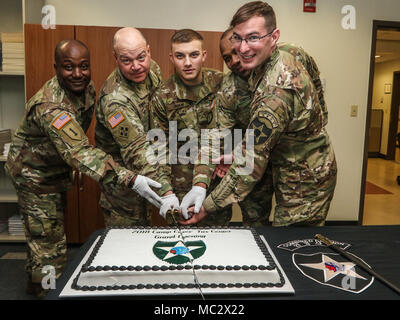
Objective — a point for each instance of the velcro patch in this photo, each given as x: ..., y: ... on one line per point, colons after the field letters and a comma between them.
x: 73, y: 131
x: 116, y: 119
x: 61, y: 121
x: 270, y: 117
x: 262, y: 130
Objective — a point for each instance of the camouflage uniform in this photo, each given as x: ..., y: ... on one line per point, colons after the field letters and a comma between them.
x: 288, y: 120
x: 309, y: 64
x: 122, y: 123
x: 191, y: 108
x: 49, y: 141
x: 233, y: 112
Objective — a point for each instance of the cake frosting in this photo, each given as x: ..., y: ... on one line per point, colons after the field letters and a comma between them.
x: 208, y: 259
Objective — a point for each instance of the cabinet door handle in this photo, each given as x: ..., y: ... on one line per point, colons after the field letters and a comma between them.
x: 80, y: 181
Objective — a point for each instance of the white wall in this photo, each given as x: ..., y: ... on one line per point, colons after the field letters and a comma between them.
x: 343, y: 57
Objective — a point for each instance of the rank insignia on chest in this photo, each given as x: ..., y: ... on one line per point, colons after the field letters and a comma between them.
x: 116, y: 119
x: 61, y: 121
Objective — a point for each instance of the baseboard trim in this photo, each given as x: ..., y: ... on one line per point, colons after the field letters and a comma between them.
x: 376, y: 155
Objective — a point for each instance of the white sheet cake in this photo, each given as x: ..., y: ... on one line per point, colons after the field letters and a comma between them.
x: 213, y: 260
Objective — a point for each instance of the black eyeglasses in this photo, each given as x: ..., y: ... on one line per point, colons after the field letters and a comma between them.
x: 237, y: 40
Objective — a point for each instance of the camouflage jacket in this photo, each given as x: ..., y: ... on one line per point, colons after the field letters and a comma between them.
x: 233, y: 103
x: 289, y: 131
x: 234, y: 100
x: 179, y: 105
x: 232, y: 111
x: 309, y: 64
x: 123, y: 121
x: 51, y: 139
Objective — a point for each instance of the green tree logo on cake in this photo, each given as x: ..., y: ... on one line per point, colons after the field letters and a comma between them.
x: 179, y: 252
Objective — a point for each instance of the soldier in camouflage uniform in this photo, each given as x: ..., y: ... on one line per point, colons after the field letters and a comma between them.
x: 122, y: 117
x: 187, y: 100
x: 233, y: 112
x: 289, y: 128
x: 49, y: 141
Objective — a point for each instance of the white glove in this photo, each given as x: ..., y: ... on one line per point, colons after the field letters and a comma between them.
x: 169, y: 202
x: 194, y: 197
x: 142, y: 187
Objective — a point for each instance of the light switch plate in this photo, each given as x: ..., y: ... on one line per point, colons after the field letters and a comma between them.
x: 353, y: 111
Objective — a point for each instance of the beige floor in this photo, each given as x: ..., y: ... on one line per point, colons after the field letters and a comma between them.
x: 382, y: 209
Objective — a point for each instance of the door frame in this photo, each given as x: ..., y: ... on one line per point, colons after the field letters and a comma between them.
x: 377, y: 24
x: 394, y: 117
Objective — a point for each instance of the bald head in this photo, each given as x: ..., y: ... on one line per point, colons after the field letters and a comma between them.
x: 128, y: 38
x: 67, y: 45
x: 72, y: 65
x: 132, y: 54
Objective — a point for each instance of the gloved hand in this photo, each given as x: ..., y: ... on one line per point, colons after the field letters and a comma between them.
x: 194, y: 197
x: 169, y: 202
x: 142, y: 187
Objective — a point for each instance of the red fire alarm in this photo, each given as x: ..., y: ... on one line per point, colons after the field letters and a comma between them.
x: 310, y: 5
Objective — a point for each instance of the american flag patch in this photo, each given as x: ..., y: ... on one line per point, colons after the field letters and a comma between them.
x: 116, y: 119
x: 61, y: 121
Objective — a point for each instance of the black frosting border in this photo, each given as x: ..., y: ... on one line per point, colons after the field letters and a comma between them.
x: 87, y: 267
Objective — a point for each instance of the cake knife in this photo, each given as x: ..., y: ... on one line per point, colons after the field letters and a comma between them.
x: 171, y: 218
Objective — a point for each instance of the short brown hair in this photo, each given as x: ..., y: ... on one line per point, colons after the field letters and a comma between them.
x: 185, y: 35
x: 255, y: 8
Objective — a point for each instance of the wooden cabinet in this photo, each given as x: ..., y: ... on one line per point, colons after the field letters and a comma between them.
x: 82, y: 213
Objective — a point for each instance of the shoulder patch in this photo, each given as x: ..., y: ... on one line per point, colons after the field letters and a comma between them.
x: 61, y: 121
x: 72, y: 133
x: 270, y: 117
x: 262, y: 130
x: 116, y: 119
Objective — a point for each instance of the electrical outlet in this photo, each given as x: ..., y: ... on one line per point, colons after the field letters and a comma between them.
x: 353, y: 111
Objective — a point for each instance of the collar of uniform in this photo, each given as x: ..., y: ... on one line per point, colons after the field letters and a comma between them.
x: 240, y: 83
x: 54, y: 93
x: 183, y: 91
x: 258, y: 73
x: 85, y: 101
x: 142, y: 89
x: 155, y: 74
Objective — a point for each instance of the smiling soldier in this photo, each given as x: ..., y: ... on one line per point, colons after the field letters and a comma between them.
x: 288, y: 119
x: 187, y: 98
x: 122, y: 123
x: 49, y: 141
